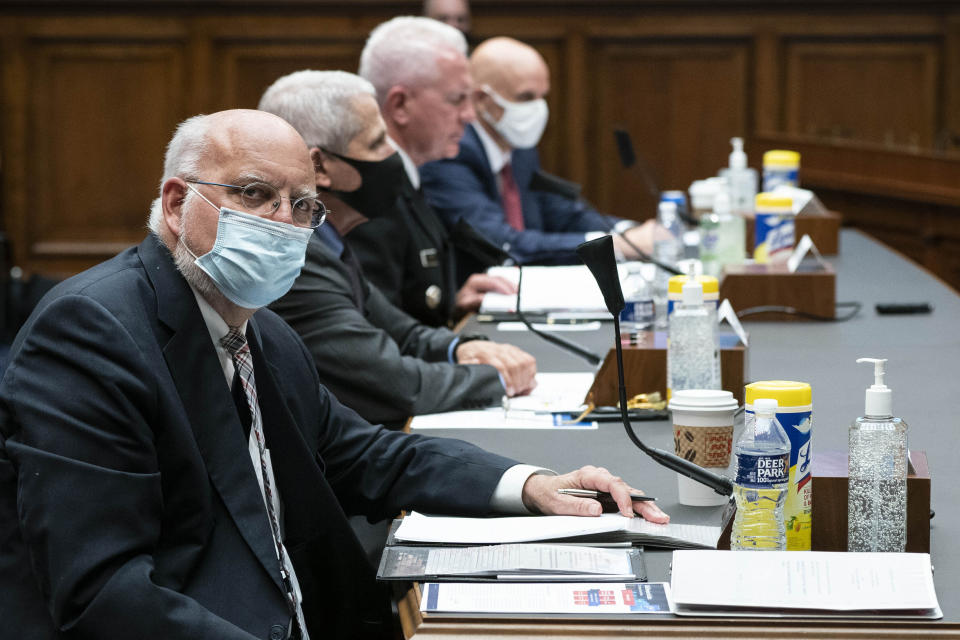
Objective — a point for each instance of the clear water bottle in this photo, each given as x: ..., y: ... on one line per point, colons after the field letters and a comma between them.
x: 877, y: 496
x: 731, y: 233
x: 638, y: 313
x: 667, y: 248
x: 693, y: 355
x: 710, y: 244
x: 760, y: 487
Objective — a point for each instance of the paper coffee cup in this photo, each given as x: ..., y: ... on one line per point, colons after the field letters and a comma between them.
x: 702, y: 434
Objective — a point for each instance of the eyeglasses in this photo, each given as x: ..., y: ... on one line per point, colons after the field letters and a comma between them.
x: 262, y: 199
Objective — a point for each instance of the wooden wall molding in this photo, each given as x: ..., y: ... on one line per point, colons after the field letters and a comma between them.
x: 91, y: 91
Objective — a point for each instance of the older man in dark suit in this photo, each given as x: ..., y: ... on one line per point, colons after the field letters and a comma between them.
x: 489, y: 181
x: 418, y: 68
x: 170, y: 466
x: 357, y: 337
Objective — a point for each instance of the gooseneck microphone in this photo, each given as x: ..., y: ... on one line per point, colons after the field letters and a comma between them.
x: 599, y: 257
x: 470, y: 241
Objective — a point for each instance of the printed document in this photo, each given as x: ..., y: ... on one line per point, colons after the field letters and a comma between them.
x: 609, y: 527
x: 535, y: 598
x: 789, y: 583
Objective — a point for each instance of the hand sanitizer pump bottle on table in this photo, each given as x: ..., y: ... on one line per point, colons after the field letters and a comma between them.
x: 760, y: 487
x: 877, y: 498
x: 693, y: 357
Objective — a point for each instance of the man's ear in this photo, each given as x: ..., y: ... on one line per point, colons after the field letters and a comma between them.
x: 172, y: 195
x: 320, y: 171
x: 395, y: 106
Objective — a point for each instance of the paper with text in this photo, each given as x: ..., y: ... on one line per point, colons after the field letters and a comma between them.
x: 576, y: 597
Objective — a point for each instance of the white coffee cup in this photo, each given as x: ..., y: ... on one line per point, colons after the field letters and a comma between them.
x: 703, y: 434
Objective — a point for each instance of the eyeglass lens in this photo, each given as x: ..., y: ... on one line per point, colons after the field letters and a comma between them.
x: 263, y: 199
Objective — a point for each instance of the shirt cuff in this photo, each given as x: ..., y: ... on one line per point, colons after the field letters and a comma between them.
x: 452, y: 350
x: 507, y: 498
x: 623, y: 225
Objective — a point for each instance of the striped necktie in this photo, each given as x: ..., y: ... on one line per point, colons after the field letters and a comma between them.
x: 236, y: 345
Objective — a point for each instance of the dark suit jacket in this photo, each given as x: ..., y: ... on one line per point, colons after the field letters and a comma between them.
x: 376, y: 359
x: 128, y: 503
x: 407, y: 252
x: 465, y: 187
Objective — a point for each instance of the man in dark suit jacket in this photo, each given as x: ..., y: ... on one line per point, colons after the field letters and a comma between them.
x: 357, y: 337
x: 418, y: 67
x: 488, y: 182
x: 133, y: 504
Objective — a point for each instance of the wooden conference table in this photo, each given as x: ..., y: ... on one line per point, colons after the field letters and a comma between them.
x: 923, y: 371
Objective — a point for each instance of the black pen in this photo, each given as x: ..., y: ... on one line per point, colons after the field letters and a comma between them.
x: 602, y: 496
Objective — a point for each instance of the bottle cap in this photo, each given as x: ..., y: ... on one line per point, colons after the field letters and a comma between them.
x: 768, y: 201
x: 787, y: 393
x: 878, y: 400
x: 765, y: 406
x: 781, y: 159
x: 709, y: 283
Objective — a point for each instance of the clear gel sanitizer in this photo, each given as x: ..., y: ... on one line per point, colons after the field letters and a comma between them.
x: 877, y: 499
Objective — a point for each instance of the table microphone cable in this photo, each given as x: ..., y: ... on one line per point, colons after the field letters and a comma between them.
x: 806, y: 315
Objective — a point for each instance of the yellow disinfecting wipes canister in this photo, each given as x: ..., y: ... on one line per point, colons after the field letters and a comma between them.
x: 795, y: 413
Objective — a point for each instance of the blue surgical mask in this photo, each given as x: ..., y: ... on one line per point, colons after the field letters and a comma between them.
x: 254, y: 261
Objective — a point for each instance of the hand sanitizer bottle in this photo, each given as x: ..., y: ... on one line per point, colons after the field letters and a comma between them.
x: 742, y: 180
x: 877, y: 498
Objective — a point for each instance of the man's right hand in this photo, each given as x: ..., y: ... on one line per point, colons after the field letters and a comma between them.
x: 518, y: 368
x: 643, y: 236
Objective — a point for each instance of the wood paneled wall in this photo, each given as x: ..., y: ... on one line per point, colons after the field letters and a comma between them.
x: 91, y: 92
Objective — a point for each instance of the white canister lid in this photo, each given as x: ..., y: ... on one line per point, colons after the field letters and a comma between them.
x: 702, y: 400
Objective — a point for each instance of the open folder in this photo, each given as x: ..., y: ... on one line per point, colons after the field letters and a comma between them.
x: 529, y: 562
x: 418, y: 528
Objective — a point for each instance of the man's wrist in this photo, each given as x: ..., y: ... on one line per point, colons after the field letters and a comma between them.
x: 464, y: 338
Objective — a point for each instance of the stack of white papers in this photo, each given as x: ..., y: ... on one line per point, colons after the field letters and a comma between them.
x: 546, y: 289
x: 557, y: 398
x: 807, y: 584
x: 609, y: 527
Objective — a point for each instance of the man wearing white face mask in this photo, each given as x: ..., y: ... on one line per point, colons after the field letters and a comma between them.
x: 488, y: 184
x: 171, y: 467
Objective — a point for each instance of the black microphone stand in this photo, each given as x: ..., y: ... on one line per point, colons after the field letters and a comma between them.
x: 599, y: 257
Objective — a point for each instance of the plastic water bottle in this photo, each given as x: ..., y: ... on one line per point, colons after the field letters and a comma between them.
x: 638, y: 313
x: 731, y: 233
x: 877, y: 497
x: 667, y: 249
x: 760, y: 487
x: 710, y: 244
x: 693, y: 356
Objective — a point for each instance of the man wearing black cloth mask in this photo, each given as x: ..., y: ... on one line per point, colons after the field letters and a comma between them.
x: 375, y: 358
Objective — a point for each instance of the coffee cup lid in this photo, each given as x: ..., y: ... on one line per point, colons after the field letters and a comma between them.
x: 702, y: 400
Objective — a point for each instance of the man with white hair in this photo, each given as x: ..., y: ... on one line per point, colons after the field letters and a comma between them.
x: 358, y: 339
x: 490, y: 182
x: 171, y: 467
x: 418, y: 68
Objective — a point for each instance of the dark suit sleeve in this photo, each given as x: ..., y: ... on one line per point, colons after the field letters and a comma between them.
x: 385, y: 365
x: 377, y: 472
x: 76, y: 416
x: 381, y: 246
x: 458, y: 189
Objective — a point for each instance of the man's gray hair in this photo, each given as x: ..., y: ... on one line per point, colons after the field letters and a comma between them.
x: 319, y: 105
x: 184, y: 153
x: 404, y: 51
